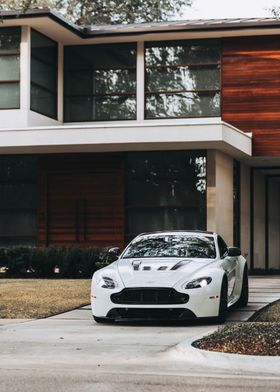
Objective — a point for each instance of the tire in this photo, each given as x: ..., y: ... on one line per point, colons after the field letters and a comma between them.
x: 102, y: 320
x: 243, y: 300
x: 223, y: 302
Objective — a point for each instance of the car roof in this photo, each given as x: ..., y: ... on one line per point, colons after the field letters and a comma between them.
x: 181, y: 232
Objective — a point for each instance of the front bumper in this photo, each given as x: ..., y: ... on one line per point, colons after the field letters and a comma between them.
x: 201, y: 303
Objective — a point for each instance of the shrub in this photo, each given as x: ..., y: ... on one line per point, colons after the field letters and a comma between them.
x: 19, y: 261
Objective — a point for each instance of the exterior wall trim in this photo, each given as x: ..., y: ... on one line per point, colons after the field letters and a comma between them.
x: 101, y: 138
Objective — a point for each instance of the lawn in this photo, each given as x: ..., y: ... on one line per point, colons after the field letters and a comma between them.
x: 36, y: 298
x: 261, y: 337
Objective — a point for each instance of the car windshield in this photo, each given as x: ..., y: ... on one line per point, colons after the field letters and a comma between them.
x: 172, y: 246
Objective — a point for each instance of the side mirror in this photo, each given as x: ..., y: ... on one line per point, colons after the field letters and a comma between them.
x: 114, y: 253
x: 233, y: 251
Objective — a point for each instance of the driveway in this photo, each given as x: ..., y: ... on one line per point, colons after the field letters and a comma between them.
x: 71, y: 352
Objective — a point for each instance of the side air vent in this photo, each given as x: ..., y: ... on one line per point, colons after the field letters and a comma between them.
x: 146, y: 268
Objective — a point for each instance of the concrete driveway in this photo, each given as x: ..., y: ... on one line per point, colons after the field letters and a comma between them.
x: 71, y: 352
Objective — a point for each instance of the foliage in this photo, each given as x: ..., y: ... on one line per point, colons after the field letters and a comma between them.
x: 19, y: 261
x: 106, y: 11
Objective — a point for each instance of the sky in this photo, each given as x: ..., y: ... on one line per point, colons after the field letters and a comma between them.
x: 208, y: 9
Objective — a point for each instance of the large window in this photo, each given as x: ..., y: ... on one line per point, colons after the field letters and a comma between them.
x: 165, y: 191
x: 43, y: 75
x: 9, y: 67
x: 100, y: 82
x: 182, y: 79
x: 18, y: 199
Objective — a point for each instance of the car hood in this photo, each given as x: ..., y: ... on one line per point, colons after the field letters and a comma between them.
x: 163, y: 272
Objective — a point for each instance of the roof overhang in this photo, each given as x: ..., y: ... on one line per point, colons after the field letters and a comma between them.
x: 129, y: 136
x: 55, y: 26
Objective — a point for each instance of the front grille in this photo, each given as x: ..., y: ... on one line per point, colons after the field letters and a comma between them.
x: 167, y: 314
x: 149, y: 296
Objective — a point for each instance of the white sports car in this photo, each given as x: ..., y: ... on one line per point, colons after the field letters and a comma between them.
x: 170, y: 275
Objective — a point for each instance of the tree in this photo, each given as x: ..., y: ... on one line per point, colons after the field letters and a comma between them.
x: 106, y: 11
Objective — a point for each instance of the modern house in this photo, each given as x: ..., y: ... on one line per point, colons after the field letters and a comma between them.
x: 109, y: 131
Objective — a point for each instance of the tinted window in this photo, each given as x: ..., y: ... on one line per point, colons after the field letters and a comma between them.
x: 172, y: 246
x: 9, y: 67
x: 100, y: 82
x: 222, y: 247
x: 18, y: 199
x: 43, y: 75
x: 165, y: 190
x: 182, y: 79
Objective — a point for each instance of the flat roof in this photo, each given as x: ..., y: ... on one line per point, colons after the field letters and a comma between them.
x: 90, y: 31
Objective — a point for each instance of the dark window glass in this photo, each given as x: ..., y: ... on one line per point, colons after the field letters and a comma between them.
x: 18, y: 199
x: 100, y: 82
x: 43, y: 75
x: 175, y: 245
x: 165, y: 191
x: 222, y: 247
x: 182, y: 79
x: 9, y: 67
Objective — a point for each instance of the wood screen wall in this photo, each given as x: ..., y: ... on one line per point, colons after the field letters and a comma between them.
x: 81, y: 200
x: 251, y: 90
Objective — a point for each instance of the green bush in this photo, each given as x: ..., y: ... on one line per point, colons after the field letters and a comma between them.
x: 19, y: 261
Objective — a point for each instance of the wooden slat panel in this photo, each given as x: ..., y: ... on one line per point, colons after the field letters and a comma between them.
x: 251, y: 90
x: 81, y: 200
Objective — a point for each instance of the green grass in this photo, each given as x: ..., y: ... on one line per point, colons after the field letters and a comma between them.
x: 36, y: 298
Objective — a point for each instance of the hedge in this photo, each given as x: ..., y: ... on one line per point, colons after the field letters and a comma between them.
x: 25, y: 261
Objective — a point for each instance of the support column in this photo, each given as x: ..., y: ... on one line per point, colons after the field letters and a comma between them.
x: 220, y: 194
x: 25, y: 66
x: 140, y: 93
x: 60, y: 81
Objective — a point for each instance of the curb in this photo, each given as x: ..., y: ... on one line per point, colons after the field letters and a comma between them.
x: 261, y: 310
x: 269, y: 365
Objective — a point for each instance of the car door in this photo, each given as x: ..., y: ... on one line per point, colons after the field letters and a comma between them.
x: 229, y: 264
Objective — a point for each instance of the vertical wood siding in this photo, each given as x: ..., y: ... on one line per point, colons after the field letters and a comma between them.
x: 251, y: 89
x: 81, y: 200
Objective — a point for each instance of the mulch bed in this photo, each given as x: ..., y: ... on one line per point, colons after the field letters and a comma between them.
x: 255, y: 338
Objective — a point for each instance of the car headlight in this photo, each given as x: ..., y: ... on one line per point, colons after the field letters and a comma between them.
x: 107, y: 283
x: 198, y: 283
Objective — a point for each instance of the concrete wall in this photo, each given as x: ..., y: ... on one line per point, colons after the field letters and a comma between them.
x: 259, y: 220
x: 245, y: 211
x: 220, y: 194
x: 274, y: 223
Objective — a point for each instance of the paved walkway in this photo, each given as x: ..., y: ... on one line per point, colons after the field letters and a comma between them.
x: 262, y: 291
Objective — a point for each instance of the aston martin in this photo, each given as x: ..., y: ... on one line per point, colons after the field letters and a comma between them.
x: 172, y: 275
